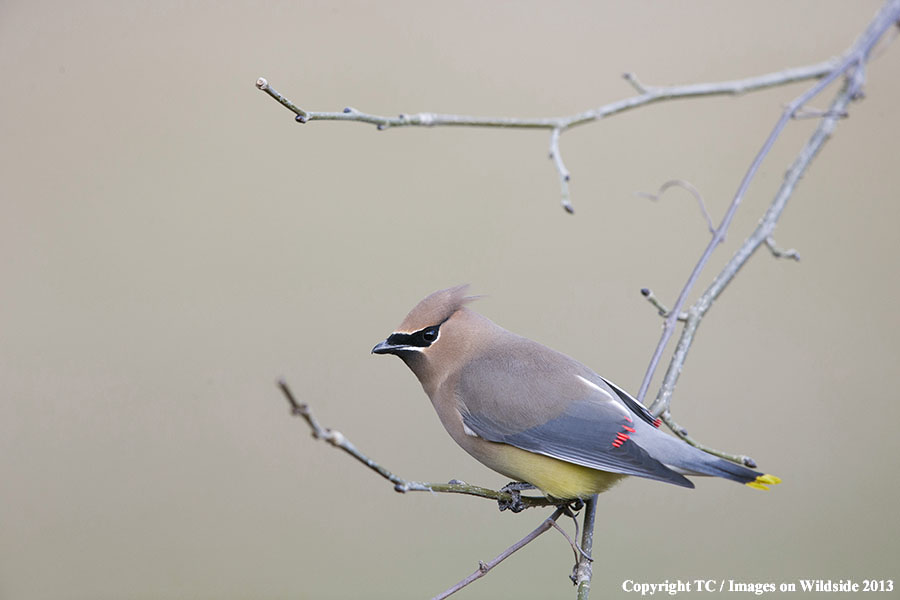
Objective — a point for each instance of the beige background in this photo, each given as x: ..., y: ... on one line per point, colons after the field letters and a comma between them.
x: 172, y: 242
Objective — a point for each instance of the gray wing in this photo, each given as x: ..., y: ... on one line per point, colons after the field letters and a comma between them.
x: 544, y: 402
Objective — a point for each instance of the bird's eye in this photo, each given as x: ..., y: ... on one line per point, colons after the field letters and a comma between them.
x: 430, y: 334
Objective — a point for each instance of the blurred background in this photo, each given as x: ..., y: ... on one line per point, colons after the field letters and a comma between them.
x: 173, y: 242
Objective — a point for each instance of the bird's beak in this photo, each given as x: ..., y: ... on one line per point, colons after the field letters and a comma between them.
x: 385, y: 347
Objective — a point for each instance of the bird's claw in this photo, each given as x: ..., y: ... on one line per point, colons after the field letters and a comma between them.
x: 514, y: 489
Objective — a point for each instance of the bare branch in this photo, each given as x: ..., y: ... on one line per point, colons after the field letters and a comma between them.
x: 558, y: 125
x: 584, y: 568
x: 882, y: 46
x: 648, y: 96
x: 690, y: 188
x: 851, y: 65
x: 483, y: 568
x: 759, y: 236
x: 339, y: 440
x: 763, y: 232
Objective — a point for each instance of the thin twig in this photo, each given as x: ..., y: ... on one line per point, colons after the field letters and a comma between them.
x: 741, y: 459
x: 631, y: 78
x: 686, y: 185
x: 483, y: 568
x: 263, y: 85
x: 660, y: 307
x: 339, y: 440
x: 778, y: 252
x: 564, y: 176
x: 579, y: 552
x: 852, y: 60
x: 558, y: 125
x: 569, y: 539
x: 812, y: 113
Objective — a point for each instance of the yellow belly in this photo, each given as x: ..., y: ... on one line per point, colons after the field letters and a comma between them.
x: 553, y: 477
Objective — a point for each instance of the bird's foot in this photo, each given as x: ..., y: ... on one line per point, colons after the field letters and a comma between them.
x: 514, y: 489
x: 575, y: 505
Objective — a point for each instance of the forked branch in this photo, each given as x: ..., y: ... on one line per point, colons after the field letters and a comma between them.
x: 561, y: 124
x: 852, y: 68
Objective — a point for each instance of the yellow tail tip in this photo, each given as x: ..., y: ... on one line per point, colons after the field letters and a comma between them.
x: 760, y: 482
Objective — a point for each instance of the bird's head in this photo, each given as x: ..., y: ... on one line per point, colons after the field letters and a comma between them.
x: 436, y: 335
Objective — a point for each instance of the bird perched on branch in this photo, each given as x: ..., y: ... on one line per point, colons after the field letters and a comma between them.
x: 536, y: 415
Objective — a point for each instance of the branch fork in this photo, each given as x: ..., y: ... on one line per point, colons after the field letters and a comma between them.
x: 560, y: 124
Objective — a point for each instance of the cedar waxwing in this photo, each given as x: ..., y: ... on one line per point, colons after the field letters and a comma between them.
x: 536, y: 415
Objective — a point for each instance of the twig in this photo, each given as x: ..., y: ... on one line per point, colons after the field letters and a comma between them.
x: 812, y: 113
x: 558, y: 125
x: 339, y: 440
x: 741, y: 459
x: 660, y: 307
x: 691, y: 189
x: 780, y: 252
x: 263, y: 85
x: 564, y: 176
x: 631, y: 78
x: 852, y: 61
x: 483, y: 568
x: 569, y: 539
x: 579, y: 553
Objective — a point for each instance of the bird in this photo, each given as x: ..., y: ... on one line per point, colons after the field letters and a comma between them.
x: 536, y: 415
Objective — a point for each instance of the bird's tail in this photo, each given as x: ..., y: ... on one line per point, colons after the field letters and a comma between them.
x: 688, y: 460
x: 719, y: 467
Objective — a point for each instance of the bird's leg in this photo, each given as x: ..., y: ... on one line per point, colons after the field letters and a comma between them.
x: 514, y: 489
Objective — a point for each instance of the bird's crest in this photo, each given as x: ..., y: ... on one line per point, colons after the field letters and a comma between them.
x: 436, y: 308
